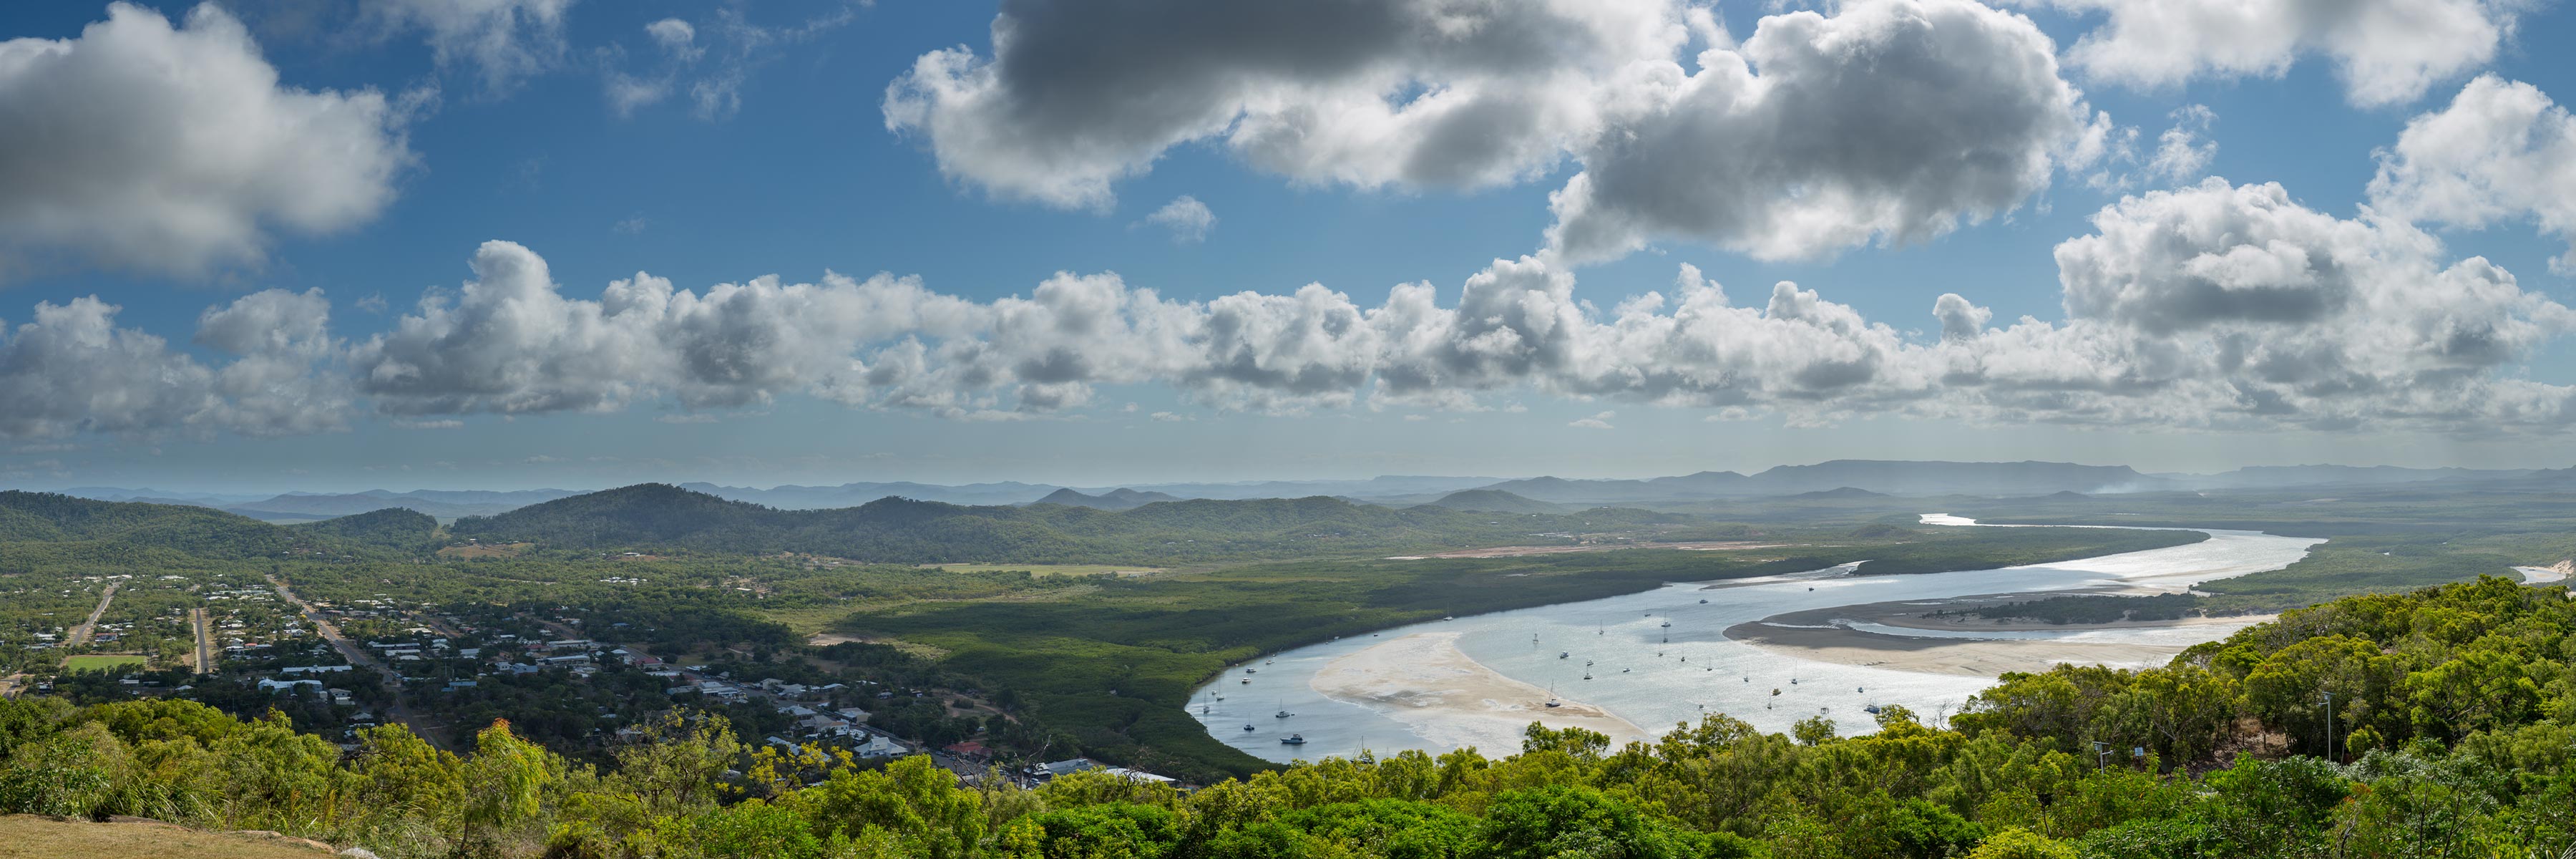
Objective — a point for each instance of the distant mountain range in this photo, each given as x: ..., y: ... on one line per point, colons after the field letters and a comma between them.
x: 446, y: 505
x: 1115, y: 499
x: 1836, y: 479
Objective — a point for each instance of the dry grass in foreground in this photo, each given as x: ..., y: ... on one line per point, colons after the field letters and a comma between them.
x: 31, y: 837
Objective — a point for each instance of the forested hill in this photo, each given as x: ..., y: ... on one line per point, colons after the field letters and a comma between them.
x: 899, y: 530
x: 45, y: 517
x: 392, y: 527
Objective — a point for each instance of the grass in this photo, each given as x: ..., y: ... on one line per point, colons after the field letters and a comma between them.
x: 1044, y: 569
x: 24, y: 836
x: 102, y: 662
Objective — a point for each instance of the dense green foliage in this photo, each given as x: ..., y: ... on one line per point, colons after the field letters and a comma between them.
x: 2462, y: 744
x: 2090, y: 608
x: 392, y: 527
x: 45, y: 517
x: 895, y: 530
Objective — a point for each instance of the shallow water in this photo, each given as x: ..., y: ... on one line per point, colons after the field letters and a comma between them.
x: 1699, y: 669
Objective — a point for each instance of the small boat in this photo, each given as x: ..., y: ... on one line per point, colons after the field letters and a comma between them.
x: 1793, y: 681
x: 1871, y: 709
x: 1551, y: 696
x: 1283, y: 711
x: 1203, y: 709
x: 1563, y: 655
x: 1587, y: 675
x: 1294, y: 740
x: 1251, y: 671
x: 1247, y: 726
x: 1623, y: 671
x: 1446, y: 617
x: 1265, y: 662
x: 1668, y: 623
x: 1247, y: 681
x: 1703, y: 602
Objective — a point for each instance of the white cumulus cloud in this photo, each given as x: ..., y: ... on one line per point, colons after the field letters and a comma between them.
x: 1187, y: 218
x: 2386, y: 51
x: 171, y: 150
x: 71, y: 370
x: 1889, y: 119
x: 2500, y: 151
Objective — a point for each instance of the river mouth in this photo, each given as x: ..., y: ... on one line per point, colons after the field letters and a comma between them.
x: 1663, y: 657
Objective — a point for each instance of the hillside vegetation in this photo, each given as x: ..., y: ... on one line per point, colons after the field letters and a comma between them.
x: 44, y: 517
x: 2454, y: 735
x: 896, y: 530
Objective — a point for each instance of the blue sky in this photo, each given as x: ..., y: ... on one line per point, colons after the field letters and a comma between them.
x: 800, y: 174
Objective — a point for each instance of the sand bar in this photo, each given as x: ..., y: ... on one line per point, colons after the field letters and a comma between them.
x: 1950, y: 644
x: 1449, y: 699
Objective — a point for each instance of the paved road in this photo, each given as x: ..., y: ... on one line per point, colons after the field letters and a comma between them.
x: 401, y: 711
x: 205, y: 641
x: 81, y: 633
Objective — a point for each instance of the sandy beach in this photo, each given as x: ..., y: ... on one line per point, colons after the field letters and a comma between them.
x: 1447, y: 698
x: 1826, y: 635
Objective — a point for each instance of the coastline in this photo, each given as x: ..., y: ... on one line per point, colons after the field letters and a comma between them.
x: 1448, y: 698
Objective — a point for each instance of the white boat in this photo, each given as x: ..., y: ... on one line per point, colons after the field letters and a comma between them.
x: 1283, y: 711
x: 1551, y: 696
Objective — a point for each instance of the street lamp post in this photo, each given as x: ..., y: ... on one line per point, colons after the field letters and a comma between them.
x: 2330, y: 727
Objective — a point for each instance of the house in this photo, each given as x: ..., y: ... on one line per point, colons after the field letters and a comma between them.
x: 1049, y: 771
x: 1141, y: 776
x: 275, y: 685
x: 312, y: 669
x: 880, y: 746
x: 970, y: 749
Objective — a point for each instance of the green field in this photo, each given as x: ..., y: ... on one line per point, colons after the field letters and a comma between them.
x: 101, y: 662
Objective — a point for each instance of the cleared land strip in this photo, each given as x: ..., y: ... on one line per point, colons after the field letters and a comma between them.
x: 205, y: 641
x: 80, y: 634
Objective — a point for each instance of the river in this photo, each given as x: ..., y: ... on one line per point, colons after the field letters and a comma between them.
x: 1476, y: 681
